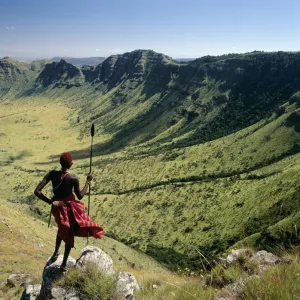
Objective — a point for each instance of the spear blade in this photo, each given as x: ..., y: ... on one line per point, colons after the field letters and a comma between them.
x: 92, y: 130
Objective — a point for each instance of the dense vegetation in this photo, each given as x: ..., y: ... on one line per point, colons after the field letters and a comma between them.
x: 188, y: 156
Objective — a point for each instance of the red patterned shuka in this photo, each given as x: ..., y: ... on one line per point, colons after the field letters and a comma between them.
x: 72, y: 220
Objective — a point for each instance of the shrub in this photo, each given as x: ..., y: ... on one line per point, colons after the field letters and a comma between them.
x: 281, y: 282
x: 90, y: 283
x: 219, y: 276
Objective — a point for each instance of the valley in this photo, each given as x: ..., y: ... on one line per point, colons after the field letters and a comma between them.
x: 189, y: 159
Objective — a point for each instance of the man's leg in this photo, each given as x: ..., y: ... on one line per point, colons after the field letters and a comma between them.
x: 71, y: 234
x: 55, y: 253
x: 66, y: 255
x: 57, y: 245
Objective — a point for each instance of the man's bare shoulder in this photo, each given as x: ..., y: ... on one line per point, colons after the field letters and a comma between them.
x: 73, y: 177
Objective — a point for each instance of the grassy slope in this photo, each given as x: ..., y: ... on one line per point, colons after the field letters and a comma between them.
x: 26, y: 244
x: 243, y: 184
x: 246, y: 183
x: 222, y: 191
x: 25, y: 137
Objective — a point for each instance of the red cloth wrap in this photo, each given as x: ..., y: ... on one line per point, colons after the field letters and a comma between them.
x: 72, y: 220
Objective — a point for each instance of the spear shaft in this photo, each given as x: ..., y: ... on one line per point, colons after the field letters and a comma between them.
x: 91, y: 155
x: 50, y: 216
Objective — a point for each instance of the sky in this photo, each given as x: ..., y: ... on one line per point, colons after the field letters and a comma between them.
x: 35, y: 29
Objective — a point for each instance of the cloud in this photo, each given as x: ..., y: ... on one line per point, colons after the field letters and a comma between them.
x: 193, y: 37
x: 97, y: 50
x: 10, y: 28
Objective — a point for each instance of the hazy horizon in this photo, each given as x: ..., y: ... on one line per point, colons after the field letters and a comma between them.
x: 25, y: 59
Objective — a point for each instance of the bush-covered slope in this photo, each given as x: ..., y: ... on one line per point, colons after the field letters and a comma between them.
x: 143, y: 96
x: 206, y: 197
x: 187, y: 156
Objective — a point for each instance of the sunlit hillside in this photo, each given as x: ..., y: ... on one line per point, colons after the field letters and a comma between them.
x: 187, y: 157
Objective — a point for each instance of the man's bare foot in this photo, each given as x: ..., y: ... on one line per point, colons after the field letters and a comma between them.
x: 52, y: 259
x: 63, y: 269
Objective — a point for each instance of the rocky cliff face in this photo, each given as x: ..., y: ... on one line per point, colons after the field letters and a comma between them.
x: 135, y: 66
x: 12, y: 73
x: 206, y: 99
x: 238, y: 90
x: 60, y: 74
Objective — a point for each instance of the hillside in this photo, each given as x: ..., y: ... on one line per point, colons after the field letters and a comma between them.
x: 187, y: 156
x: 143, y: 96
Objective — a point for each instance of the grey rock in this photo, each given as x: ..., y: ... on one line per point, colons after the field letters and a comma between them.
x: 126, y: 283
x: 17, y: 280
x: 58, y: 293
x: 222, y: 261
x: 264, y: 257
x: 94, y: 255
x: 52, y: 273
x: 266, y: 260
x: 72, y: 295
x: 234, y: 290
x: 31, y: 292
x: 224, y: 295
x: 234, y: 255
x: 126, y: 286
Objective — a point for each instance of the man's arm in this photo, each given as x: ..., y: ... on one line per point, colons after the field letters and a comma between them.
x: 80, y: 193
x: 40, y: 186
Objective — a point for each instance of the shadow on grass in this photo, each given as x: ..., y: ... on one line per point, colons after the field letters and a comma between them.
x: 19, y: 156
x: 98, y: 150
x: 294, y: 121
x: 172, y: 259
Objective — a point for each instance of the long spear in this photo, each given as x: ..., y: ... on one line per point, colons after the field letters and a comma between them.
x: 91, y: 155
x: 50, y: 215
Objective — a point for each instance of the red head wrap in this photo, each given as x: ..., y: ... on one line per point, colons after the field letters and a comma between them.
x: 66, y: 159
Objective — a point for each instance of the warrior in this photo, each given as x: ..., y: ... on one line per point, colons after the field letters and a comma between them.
x: 68, y: 212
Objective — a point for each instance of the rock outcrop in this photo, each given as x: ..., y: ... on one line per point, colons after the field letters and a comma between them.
x: 263, y: 259
x: 94, y: 255
x: 15, y: 280
x: 60, y: 74
x: 51, y: 273
x: 126, y: 284
x: 31, y: 292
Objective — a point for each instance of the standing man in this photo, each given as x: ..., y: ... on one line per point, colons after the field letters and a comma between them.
x: 68, y: 212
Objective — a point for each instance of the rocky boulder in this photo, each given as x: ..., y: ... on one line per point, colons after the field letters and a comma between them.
x: 58, y: 293
x: 126, y: 286
x: 263, y: 259
x: 52, y: 272
x: 94, y: 255
x: 15, y: 280
x: 31, y: 292
x: 266, y: 259
x: 235, y: 255
x: 233, y: 291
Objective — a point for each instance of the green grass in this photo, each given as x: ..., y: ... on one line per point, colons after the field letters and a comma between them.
x: 280, y: 283
x: 90, y: 283
x: 167, y: 204
x: 156, y: 189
